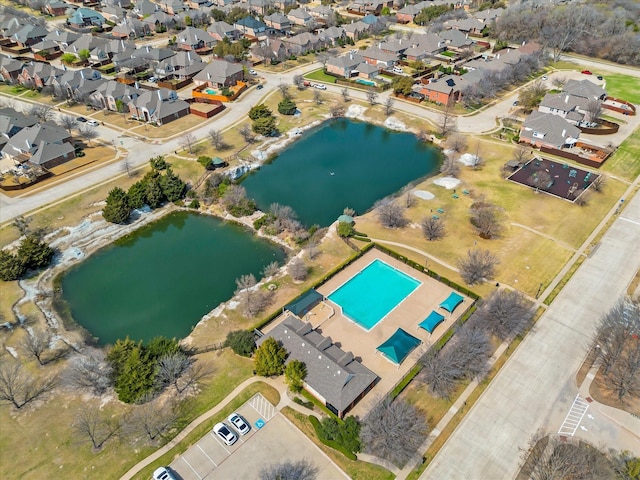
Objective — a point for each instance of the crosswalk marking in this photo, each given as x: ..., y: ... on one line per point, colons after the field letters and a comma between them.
x: 574, y: 417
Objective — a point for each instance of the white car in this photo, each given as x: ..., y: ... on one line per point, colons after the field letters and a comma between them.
x: 545, y: 78
x: 397, y: 70
x: 239, y: 423
x: 319, y: 86
x: 225, y: 433
x: 163, y: 473
x: 93, y: 123
x: 253, y: 72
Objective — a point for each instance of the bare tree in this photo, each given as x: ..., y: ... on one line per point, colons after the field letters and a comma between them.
x: 68, y: 122
x: 91, y: 372
x: 152, y: 419
x: 298, y: 81
x: 297, y: 269
x: 251, y: 299
x: 345, y: 94
x: 388, y: 106
x: 476, y: 159
x: 289, y: 470
x: 95, y: 426
x: 486, y: 218
x: 336, y: 110
x: 506, y: 314
x: 317, y: 97
x: 477, y: 265
x: 559, y: 81
x: 521, y: 154
x: 216, y: 139
x: 88, y: 134
x: 246, y: 133
x: 126, y: 166
x: 22, y: 224
x: 271, y: 269
x: 36, y: 343
x: 286, y: 218
x: 19, y: 387
x: 234, y: 196
x: 187, y: 141
x: 531, y: 96
x: 450, y: 166
x: 372, y: 97
x: 457, y: 142
x: 313, y: 244
x: 42, y: 112
x: 433, y: 228
x: 390, y: 214
x: 448, y: 121
x: 599, y: 183
x: 179, y: 370
x: 594, y: 110
x: 394, y: 430
x: 284, y: 90
x: 583, y: 197
x: 465, y: 356
x: 201, y: 370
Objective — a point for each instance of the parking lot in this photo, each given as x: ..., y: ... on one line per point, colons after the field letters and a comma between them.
x: 276, y: 440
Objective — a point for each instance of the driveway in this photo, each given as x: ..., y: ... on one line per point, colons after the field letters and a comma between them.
x: 536, y: 388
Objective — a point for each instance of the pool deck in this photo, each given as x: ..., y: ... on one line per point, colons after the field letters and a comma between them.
x: 328, y: 319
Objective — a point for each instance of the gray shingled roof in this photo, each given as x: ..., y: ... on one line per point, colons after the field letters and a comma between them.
x: 584, y: 88
x: 346, y: 61
x: 218, y: 71
x: 555, y: 129
x: 331, y: 372
x: 50, y: 151
x: 563, y: 102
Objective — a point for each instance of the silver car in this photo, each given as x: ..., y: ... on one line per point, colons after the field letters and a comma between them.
x: 239, y: 423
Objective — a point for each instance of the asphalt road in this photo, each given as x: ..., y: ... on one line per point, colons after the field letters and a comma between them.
x: 536, y: 387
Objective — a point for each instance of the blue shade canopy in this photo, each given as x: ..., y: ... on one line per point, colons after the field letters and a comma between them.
x: 452, y: 302
x: 301, y: 305
x: 398, y: 346
x: 432, y: 321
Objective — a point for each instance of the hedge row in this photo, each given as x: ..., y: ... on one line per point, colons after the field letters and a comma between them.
x: 330, y: 443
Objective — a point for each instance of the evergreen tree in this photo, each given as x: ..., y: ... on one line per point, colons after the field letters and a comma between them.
x: 287, y: 107
x: 117, y: 209
x: 295, y: 373
x: 264, y: 126
x: 173, y: 187
x: 269, y: 358
x: 154, y: 193
x: 260, y: 111
x: 137, y: 194
x: 241, y: 342
x: 34, y: 253
x: 11, y: 268
x: 137, y: 376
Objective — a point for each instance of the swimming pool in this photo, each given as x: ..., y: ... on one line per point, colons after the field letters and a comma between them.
x: 210, y: 91
x: 371, y: 294
x: 366, y: 82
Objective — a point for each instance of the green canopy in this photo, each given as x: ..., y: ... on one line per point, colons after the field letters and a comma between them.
x: 345, y: 219
x: 217, y: 161
x: 301, y: 305
x: 398, y: 346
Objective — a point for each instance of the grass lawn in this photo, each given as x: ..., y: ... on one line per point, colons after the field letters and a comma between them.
x: 170, y: 129
x: 625, y: 162
x: 269, y: 393
x: 624, y: 87
x: 320, y: 76
x: 48, y: 445
x: 11, y: 293
x: 355, y: 469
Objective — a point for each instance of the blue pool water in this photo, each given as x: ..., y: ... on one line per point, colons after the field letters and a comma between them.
x: 366, y: 82
x: 370, y: 295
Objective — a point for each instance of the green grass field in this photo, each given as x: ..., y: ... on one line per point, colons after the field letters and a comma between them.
x: 625, y: 162
x: 320, y: 76
x: 623, y: 86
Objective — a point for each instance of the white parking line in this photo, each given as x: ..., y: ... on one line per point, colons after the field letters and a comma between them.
x: 574, y: 417
x: 220, y: 442
x: 262, y: 406
x: 189, y: 465
x: 205, y: 454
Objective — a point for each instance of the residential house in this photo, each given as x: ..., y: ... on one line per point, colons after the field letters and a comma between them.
x: 29, y: 34
x: 408, y: 13
x: 43, y: 144
x: 356, y: 30
x: 456, y: 40
x: 158, y: 20
x: 117, y: 3
x: 131, y: 28
x: 198, y: 4
x: 366, y: 70
x: 425, y: 45
x: 299, y: 16
x: 567, y: 106
x: 221, y: 30
x: 182, y: 65
x: 446, y: 90
x: 56, y: 8
x: 304, y: 42
x: 323, y: 14
x: 62, y: 37
x: 283, y: 4
x: 380, y: 58
x: 373, y: 7
x: 11, y: 122
x: 10, y: 69
x: 278, y: 21
x: 158, y: 106
x: 257, y: 7
x: 77, y: 84
x: 334, y: 376
x: 45, y: 47
x: 471, y: 25
x: 333, y: 35
x: 489, y: 15
x: 271, y: 50
x: 395, y: 46
x: 37, y: 74
x: 114, y: 96
x: 195, y: 39
x: 250, y: 27
x: 548, y: 130
x: 114, y: 13
x: 220, y: 74
x: 584, y: 89
x: 173, y: 7
x: 86, y: 17
x: 143, y: 8
x: 344, y: 65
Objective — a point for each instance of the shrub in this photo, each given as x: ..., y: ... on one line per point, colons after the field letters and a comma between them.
x: 295, y: 372
x: 195, y: 203
x: 204, y: 161
x: 241, y: 342
x: 345, y: 229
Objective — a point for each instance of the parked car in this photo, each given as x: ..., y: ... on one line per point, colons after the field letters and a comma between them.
x: 239, y: 423
x: 82, y: 119
x: 306, y: 83
x: 163, y: 473
x: 225, y: 433
x: 600, y: 77
x: 397, y: 70
x: 153, y: 79
x: 587, y: 72
x: 319, y: 86
x: 544, y: 78
x: 260, y: 86
x: 253, y: 72
x: 516, y: 103
x: 93, y: 123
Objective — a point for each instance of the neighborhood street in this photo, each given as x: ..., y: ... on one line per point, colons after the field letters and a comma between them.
x: 536, y: 388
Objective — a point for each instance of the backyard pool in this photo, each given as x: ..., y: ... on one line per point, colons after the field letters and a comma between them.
x: 210, y: 91
x: 366, y: 82
x: 369, y: 296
